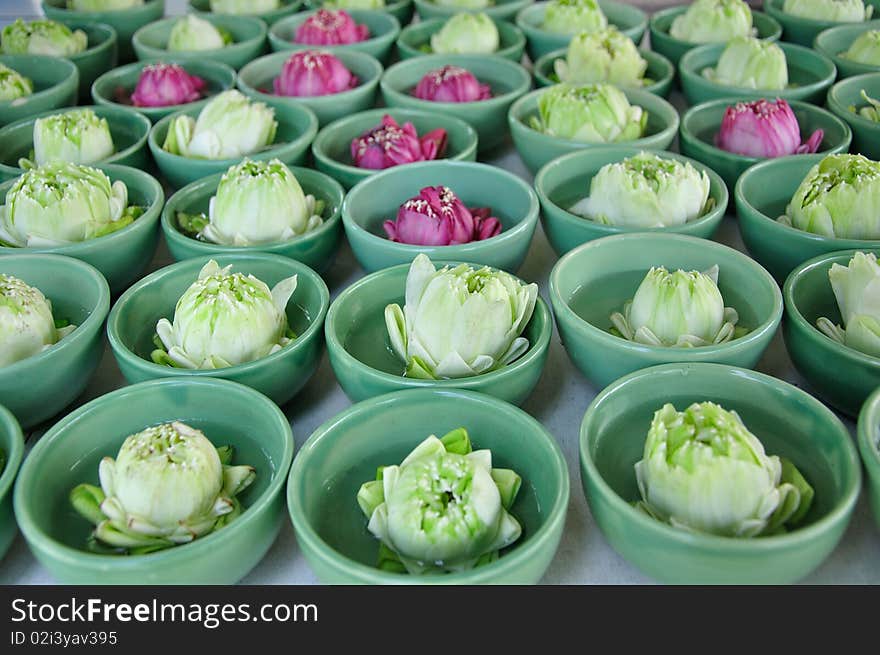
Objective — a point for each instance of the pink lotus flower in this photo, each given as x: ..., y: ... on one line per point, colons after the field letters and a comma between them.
x: 764, y: 128
x: 162, y: 85
x: 388, y: 144
x: 330, y: 28
x: 436, y: 217
x: 311, y: 73
x: 451, y: 84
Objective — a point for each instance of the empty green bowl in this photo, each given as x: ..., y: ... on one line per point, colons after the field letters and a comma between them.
x: 332, y: 147
x: 700, y: 125
x: 498, y: 10
x: 99, y: 56
x: 131, y: 326
x: 344, y: 452
x: 630, y: 20
x: 762, y: 194
x: 37, y: 388
x: 384, y: 29
x: 377, y: 199
x: 536, y: 148
x: 125, y: 21
x: 315, y: 249
x: 69, y: 453
x: 809, y: 76
x: 566, y: 180
x: 128, y: 128
x: 414, y: 38
x: 846, y: 94
x: 55, y: 85
x: 297, y: 126
x: 869, y: 420
x: 803, y: 30
x: 842, y: 376
x: 255, y: 80
x: 674, y: 49
x: 834, y: 41
x: 591, y: 282
x: 115, y: 87
x: 366, y: 366
x: 248, y: 34
x: 12, y: 444
x: 122, y: 255
x: 287, y: 7
x: 788, y: 422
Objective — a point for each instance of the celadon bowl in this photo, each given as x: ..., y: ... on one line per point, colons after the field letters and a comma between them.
x: 377, y: 199
x: 536, y: 148
x: 55, y: 83
x: 38, y: 387
x: 12, y: 445
x: 701, y: 124
x: 122, y: 255
x: 762, y: 195
x: 848, y: 93
x: 803, y: 30
x: 567, y: 179
x: 344, y: 452
x: 596, y: 279
x: 869, y: 420
x: 498, y: 10
x: 100, y: 55
x: 835, y: 41
x: 286, y: 8
x: 256, y: 80
x: 365, y: 364
x: 789, y: 424
x: 69, y: 453
x: 132, y: 324
x: 128, y: 128
x: 841, y: 376
x: 316, y: 248
x: 248, y: 34
x: 297, y: 127
x: 414, y: 38
x: 332, y: 147
x: 630, y: 20
x: 114, y: 88
x: 809, y: 76
x: 384, y: 30
x: 508, y: 81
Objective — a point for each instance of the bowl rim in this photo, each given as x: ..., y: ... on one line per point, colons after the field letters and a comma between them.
x: 286, y: 7
x: 108, y: 38
x: 734, y: 545
x: 330, y: 556
x: 820, y: 45
x: 204, y: 545
x: 774, y: 9
x: 663, y: 14
x: 524, y: 14
x: 201, y: 55
x: 511, y: 29
x: 148, y: 4
x: 500, y: 6
x: 9, y: 424
x: 390, y: 29
x: 868, y: 421
x: 843, y: 113
x: 50, y: 62
x: 652, y: 57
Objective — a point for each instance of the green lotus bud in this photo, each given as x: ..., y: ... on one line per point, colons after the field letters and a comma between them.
x: 573, y: 16
x: 354, y: 4
x: 865, y: 49
x: 832, y: 11
x: 713, y: 21
x: 590, y: 113
x: 13, y: 85
x: 78, y: 136
x: 857, y: 289
x: 605, y: 56
x: 103, y: 5
x: 194, y: 33
x: 42, y: 37
x: 464, y: 4
x: 750, y: 63
x: 27, y: 326
x: 244, y: 6
x: 467, y: 34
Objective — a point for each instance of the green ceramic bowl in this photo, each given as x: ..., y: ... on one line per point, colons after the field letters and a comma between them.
x: 315, y: 249
x: 377, y: 199
x: 332, y: 147
x: 846, y: 94
x: 780, y: 248
x: 99, y: 57
x: 384, y: 29
x: 344, y: 452
x: 124, y: 254
x: 12, y: 444
x: 674, y: 49
x: 132, y: 324
x: 841, y: 376
x: 55, y: 85
x: 115, y: 87
x: 536, y: 148
x: 700, y: 125
x: 412, y: 40
x: 402, y: 10
x: 248, y: 34
x: 69, y: 454
x: 591, y: 282
x: 660, y: 71
x: 37, y: 388
x: 128, y: 128
x: 125, y: 21
x: 255, y: 80
x: 630, y: 20
x: 297, y: 127
x: 809, y: 76
x: 788, y: 422
x: 803, y: 30
x: 836, y: 40
x: 287, y: 8
x: 498, y: 10
x: 507, y: 79
x: 366, y: 366
x: 870, y: 450
x: 565, y: 180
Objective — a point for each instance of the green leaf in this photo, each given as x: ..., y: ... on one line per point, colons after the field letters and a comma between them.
x: 389, y: 561
x: 457, y: 441
x: 791, y: 475
x: 226, y: 453
x: 191, y: 224
x: 508, y: 483
x: 86, y: 499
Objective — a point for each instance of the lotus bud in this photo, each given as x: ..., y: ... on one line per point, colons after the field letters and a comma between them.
x: 831, y: 11
x: 590, y: 113
x: 325, y: 28
x: 389, y: 144
x: 193, y: 33
x: 354, y: 4
x: 763, y: 128
x: 464, y: 4
x: 451, y: 84
x: 310, y: 73
x: 604, y: 56
x: 857, y: 290
x: 467, y: 33
x: 42, y: 37
x: 27, y: 326
x: 103, y: 5
x: 713, y: 21
x: 165, y: 85
x: 573, y: 16
x: 750, y: 63
x: 13, y: 85
x: 865, y: 49
x: 78, y: 136
x: 871, y: 111
x: 244, y: 7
